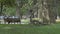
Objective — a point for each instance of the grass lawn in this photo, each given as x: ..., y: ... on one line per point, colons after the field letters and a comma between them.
x: 29, y: 29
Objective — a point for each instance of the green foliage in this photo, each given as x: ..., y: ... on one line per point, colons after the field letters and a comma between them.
x: 23, y: 10
x: 10, y: 11
x: 25, y: 4
x: 8, y: 2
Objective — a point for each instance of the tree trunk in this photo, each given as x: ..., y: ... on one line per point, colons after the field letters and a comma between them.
x: 51, y: 12
x: 32, y: 15
x: 45, y: 12
x: 18, y: 12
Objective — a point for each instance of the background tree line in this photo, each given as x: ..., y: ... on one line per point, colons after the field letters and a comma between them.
x: 47, y: 10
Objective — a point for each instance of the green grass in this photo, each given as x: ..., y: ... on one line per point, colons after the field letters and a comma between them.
x: 29, y: 29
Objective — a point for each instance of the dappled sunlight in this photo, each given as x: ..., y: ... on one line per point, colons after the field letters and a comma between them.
x: 58, y: 20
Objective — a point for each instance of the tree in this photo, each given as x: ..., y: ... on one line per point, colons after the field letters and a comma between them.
x: 46, y: 11
x: 49, y: 15
x: 19, y: 5
x: 6, y: 3
x: 51, y: 12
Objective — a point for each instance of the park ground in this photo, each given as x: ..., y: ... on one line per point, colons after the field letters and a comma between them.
x: 29, y: 29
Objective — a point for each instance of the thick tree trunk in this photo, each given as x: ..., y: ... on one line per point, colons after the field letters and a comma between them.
x: 52, y: 15
x: 18, y: 12
x: 40, y: 9
x: 45, y: 12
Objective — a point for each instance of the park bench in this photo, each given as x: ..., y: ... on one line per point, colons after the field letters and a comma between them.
x: 11, y: 19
